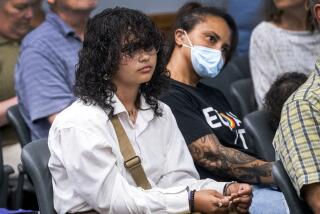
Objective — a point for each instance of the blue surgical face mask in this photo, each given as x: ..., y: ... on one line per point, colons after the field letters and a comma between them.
x: 207, y: 62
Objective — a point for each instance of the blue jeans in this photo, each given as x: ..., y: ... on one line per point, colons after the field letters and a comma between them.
x: 266, y: 200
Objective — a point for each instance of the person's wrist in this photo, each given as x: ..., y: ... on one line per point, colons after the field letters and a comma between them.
x: 226, y: 190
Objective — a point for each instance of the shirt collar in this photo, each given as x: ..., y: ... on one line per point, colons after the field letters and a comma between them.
x: 146, y: 111
x: 318, y: 66
x: 63, y: 27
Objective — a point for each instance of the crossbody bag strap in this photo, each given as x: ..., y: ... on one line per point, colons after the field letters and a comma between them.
x: 132, y: 162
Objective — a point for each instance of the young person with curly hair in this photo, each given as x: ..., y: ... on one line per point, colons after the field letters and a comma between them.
x: 120, y: 74
x: 204, y: 39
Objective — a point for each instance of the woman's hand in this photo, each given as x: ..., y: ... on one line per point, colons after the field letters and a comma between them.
x: 210, y: 201
x: 241, y: 196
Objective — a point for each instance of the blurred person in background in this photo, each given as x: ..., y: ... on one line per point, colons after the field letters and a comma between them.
x: 45, y: 71
x: 279, y: 92
x: 285, y: 42
x: 16, y: 18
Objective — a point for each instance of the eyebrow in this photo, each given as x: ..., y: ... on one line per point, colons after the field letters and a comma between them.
x: 213, y: 32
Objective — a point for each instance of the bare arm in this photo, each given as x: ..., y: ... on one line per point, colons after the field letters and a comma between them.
x: 4, y: 105
x: 210, y: 154
x: 311, y: 193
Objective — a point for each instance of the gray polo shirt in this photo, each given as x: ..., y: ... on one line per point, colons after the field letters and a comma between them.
x: 45, y: 72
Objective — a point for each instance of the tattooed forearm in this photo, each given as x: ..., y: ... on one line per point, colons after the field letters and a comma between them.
x: 210, y: 154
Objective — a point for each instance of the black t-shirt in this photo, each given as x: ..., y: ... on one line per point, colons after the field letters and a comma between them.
x: 203, y: 110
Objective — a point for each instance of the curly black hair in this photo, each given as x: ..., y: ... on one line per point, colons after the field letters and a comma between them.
x: 279, y: 92
x: 193, y: 13
x: 110, y: 35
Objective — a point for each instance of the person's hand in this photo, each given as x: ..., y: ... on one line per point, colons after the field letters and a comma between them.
x: 241, y: 196
x: 210, y: 201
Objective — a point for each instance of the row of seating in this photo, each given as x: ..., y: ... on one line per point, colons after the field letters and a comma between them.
x: 35, y: 156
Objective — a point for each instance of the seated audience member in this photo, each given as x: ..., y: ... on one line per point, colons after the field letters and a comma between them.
x: 297, y: 139
x: 279, y: 92
x: 15, y: 23
x: 119, y: 77
x: 45, y: 70
x: 285, y: 42
x: 203, y: 42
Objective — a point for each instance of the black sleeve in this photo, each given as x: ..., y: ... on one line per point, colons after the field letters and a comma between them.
x: 188, y: 115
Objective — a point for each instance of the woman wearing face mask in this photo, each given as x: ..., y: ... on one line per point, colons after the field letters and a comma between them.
x: 204, y: 39
x: 285, y: 42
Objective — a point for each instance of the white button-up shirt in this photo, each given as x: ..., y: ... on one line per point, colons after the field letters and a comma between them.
x: 87, y: 166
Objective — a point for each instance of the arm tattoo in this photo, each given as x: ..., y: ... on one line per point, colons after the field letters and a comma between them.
x: 207, y: 152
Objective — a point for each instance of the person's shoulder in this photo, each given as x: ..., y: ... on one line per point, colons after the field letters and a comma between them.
x: 175, y: 89
x: 167, y: 114
x: 79, y: 114
x: 165, y: 108
x: 181, y: 95
x: 209, y: 91
x: 263, y: 29
x: 307, y: 94
x: 40, y: 37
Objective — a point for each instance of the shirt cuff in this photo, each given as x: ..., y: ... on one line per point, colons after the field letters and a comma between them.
x: 214, y: 185
x: 177, y: 202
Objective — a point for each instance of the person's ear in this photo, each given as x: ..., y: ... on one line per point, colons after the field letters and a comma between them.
x: 316, y: 10
x: 179, y: 37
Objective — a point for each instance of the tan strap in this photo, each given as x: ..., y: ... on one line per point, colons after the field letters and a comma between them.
x: 132, y: 162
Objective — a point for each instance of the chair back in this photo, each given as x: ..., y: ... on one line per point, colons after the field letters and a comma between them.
x: 243, y: 64
x: 295, y: 204
x: 260, y: 133
x: 35, y: 158
x: 243, y: 94
x: 16, y: 120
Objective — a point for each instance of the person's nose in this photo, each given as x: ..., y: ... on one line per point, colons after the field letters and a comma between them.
x: 144, y: 56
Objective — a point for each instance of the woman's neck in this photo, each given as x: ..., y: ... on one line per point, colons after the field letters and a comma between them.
x: 294, y: 19
x: 181, y: 70
x: 128, y: 96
